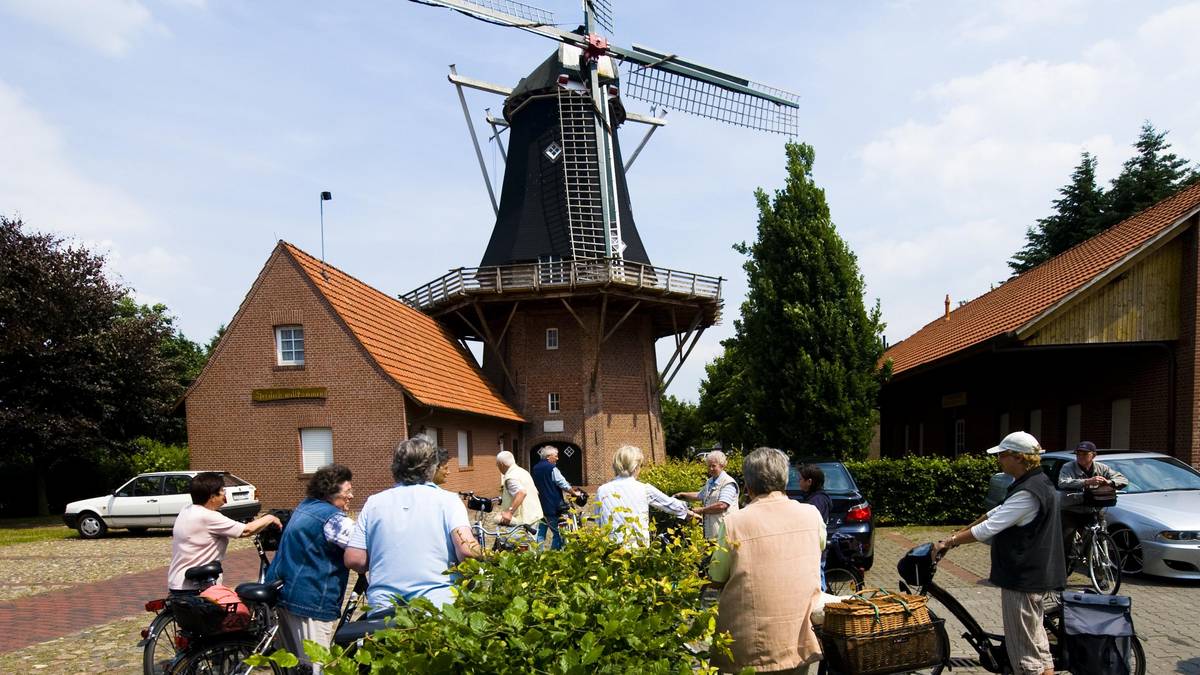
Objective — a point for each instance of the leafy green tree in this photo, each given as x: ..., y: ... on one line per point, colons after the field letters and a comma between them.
x: 681, y: 426
x: 81, y: 373
x: 1150, y: 176
x: 1078, y: 215
x: 812, y: 349
x: 212, y: 342
x: 726, y: 406
x: 184, y: 358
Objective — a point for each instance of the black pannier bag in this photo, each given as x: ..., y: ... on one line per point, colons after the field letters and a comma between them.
x: 1098, y: 631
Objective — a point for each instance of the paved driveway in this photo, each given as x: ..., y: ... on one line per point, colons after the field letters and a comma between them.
x: 1164, y: 612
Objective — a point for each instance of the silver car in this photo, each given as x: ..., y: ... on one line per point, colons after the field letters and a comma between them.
x: 1156, y: 522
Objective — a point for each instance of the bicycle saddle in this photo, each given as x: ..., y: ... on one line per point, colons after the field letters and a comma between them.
x: 372, y: 621
x: 267, y: 594
x: 205, y: 572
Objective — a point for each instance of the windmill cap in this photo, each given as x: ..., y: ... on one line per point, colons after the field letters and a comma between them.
x: 1018, y: 441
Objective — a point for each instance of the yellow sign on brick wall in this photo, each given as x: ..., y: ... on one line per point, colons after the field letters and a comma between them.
x: 264, y: 395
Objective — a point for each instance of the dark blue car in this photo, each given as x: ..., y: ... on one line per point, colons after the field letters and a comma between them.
x: 850, y: 512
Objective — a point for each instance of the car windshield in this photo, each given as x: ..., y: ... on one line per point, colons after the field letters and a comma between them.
x: 837, y: 477
x: 1156, y: 474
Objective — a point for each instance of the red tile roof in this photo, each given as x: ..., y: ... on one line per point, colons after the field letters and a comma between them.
x: 412, y: 348
x: 1025, y: 297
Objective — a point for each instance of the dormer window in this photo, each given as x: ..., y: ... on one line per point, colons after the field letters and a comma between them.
x: 551, y: 338
x: 289, y: 345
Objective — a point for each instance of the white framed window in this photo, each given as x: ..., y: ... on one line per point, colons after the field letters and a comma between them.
x: 316, y: 448
x: 552, y: 402
x: 289, y: 345
x: 960, y: 437
x: 1121, y: 409
x: 431, y: 433
x: 464, y: 448
x: 1035, y: 423
x: 551, y: 338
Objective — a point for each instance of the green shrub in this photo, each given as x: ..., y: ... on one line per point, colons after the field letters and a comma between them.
x: 592, y: 607
x: 905, y: 491
x: 154, y: 455
x: 924, y: 490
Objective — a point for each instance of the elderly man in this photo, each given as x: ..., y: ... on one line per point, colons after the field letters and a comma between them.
x: 769, y: 558
x: 550, y: 486
x: 519, y: 501
x: 408, y: 536
x: 1084, y: 475
x: 1027, y: 555
x: 718, y: 497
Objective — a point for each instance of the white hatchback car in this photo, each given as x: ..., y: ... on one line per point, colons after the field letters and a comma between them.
x: 153, y: 500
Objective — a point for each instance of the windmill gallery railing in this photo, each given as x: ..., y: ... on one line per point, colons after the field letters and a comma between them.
x: 562, y: 275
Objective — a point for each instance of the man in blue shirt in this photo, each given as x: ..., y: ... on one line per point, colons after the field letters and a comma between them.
x: 409, y: 535
x: 550, y: 487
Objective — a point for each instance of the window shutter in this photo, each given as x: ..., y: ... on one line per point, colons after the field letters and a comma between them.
x: 316, y: 448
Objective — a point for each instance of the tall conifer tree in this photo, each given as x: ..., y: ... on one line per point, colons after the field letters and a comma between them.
x: 1150, y: 176
x: 1078, y: 215
x: 811, y: 347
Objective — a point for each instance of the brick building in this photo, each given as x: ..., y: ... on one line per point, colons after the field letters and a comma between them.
x: 1098, y: 343
x: 317, y: 366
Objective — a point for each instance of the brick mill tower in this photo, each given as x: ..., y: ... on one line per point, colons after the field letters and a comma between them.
x: 565, y: 300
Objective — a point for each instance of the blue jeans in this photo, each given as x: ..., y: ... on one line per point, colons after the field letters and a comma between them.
x: 549, y: 523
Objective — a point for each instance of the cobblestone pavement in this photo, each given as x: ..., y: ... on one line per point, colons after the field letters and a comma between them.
x: 1163, y: 610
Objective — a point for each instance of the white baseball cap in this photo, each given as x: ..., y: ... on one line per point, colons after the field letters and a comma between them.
x: 1018, y: 441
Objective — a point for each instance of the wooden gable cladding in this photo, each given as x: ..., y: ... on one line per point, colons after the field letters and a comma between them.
x: 1139, y: 305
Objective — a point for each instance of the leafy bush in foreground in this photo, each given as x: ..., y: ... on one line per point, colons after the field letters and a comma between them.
x: 592, y: 607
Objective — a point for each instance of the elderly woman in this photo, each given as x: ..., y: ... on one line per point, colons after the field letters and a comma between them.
x: 310, y: 561
x: 519, y: 500
x: 769, y: 560
x: 719, y: 495
x: 409, y: 535
x: 625, y: 501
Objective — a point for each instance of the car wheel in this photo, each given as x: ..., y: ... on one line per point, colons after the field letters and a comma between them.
x: 91, y: 526
x: 1132, y: 555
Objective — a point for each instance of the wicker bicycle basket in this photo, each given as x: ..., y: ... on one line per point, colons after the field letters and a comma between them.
x: 890, y: 651
x: 875, y: 611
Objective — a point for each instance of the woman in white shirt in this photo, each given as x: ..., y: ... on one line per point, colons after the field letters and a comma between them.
x: 625, y: 501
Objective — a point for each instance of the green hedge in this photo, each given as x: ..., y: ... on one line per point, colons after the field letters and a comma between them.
x: 908, y: 491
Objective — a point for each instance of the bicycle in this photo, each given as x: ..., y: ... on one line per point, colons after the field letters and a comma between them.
x: 1094, y: 550
x: 917, y: 570
x: 844, y: 569
x: 504, y: 537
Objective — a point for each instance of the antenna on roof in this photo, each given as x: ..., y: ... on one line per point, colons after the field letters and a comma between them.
x: 325, y: 196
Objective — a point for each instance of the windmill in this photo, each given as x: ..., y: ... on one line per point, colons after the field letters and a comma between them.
x: 565, y: 257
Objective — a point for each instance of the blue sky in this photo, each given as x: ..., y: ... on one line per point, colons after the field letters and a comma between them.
x: 184, y: 137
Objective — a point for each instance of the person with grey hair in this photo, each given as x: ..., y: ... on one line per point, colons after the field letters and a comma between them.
x: 625, y: 501
x: 550, y: 486
x: 718, y: 496
x: 409, y: 535
x: 769, y: 560
x: 519, y: 502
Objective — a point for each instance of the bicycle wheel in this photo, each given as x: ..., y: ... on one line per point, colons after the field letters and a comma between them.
x: 1137, y: 657
x: 159, y: 651
x: 1104, y: 564
x: 841, y: 581
x: 220, y: 658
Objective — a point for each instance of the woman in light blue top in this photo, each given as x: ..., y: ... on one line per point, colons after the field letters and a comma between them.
x: 409, y: 535
x: 625, y: 501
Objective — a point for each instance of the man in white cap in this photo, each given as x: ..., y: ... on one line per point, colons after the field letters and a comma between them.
x: 1027, y: 554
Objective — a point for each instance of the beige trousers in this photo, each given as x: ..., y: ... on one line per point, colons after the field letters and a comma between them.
x: 1024, y: 636
x: 295, y: 629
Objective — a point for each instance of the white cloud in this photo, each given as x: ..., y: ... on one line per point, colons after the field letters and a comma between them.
x: 108, y: 26
x: 1001, y: 20
x: 38, y: 182
x: 1171, y: 34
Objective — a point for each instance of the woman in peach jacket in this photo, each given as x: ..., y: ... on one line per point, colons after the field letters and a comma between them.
x: 770, y: 562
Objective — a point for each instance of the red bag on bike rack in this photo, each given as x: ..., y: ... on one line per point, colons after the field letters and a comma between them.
x: 1098, y: 633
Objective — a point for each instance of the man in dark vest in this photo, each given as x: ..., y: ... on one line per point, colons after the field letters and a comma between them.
x: 1027, y: 554
x: 550, y: 487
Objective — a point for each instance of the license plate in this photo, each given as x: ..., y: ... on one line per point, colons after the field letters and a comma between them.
x: 240, y: 496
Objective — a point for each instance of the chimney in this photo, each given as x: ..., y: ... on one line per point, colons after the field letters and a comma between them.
x: 947, y: 306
